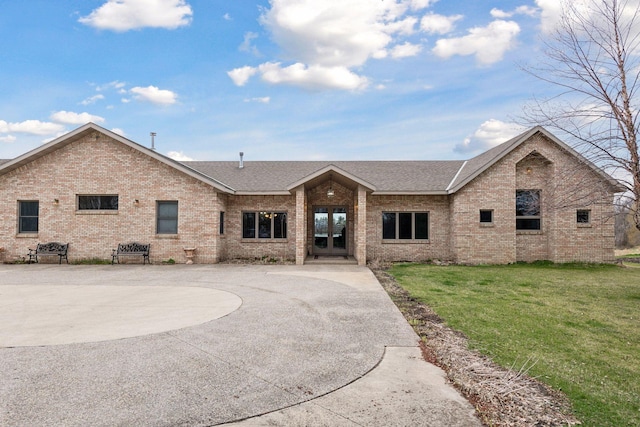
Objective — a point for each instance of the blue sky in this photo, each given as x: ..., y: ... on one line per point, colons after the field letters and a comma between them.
x: 278, y: 80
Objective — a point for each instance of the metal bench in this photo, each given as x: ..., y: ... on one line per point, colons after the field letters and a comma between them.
x: 131, y: 249
x: 49, y: 249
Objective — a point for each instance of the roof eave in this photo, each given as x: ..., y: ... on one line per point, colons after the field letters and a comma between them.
x: 263, y: 193
x: 410, y: 193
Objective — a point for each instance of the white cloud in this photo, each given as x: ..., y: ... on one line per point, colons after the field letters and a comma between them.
x: 421, y: 4
x: 325, y: 40
x: 118, y: 85
x: 227, y: 17
x: 490, y: 133
x: 439, y: 24
x: 488, y: 44
x: 69, y: 118
x: 246, y: 45
x: 179, y: 156
x: 124, y: 15
x: 241, y: 76
x: 154, y: 95
x: 405, y: 50
x: 520, y: 10
x: 551, y: 10
x: 312, y: 77
x: 333, y: 32
x: 33, y: 127
x: 118, y: 131
x: 92, y: 99
x: 261, y: 100
x: 8, y: 139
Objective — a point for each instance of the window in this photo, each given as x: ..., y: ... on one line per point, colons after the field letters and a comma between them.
x: 269, y: 225
x: 527, y: 209
x: 405, y: 225
x: 221, y: 223
x: 28, y: 212
x: 486, y: 216
x: 167, y: 218
x: 98, y: 203
x: 583, y: 216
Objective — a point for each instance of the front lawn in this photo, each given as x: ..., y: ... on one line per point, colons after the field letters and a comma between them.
x: 579, y: 323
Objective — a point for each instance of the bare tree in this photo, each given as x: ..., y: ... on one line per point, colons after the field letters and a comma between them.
x: 593, y: 58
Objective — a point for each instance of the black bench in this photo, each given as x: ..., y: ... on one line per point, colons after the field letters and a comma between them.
x: 49, y: 249
x: 131, y: 249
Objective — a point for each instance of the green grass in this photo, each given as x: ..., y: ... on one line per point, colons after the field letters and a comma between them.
x: 580, y: 322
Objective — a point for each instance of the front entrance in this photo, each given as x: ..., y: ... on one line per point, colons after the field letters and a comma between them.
x: 330, y: 230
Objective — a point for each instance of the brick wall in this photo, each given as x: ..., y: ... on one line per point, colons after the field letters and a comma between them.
x: 237, y: 247
x: 566, y: 185
x: 436, y: 248
x: 96, y: 164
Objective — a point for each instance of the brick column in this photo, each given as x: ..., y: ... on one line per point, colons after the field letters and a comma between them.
x: 361, y: 227
x: 301, y: 226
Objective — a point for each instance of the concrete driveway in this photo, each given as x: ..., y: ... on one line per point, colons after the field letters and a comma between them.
x: 206, y: 345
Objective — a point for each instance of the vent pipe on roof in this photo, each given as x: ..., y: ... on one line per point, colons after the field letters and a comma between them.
x: 241, y: 165
x: 153, y: 144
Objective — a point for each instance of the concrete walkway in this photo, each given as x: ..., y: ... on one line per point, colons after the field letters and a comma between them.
x: 207, y: 345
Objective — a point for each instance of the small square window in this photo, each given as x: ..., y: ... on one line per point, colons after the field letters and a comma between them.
x: 486, y: 216
x: 583, y: 216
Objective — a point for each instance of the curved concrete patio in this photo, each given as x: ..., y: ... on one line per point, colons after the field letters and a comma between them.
x: 306, y: 345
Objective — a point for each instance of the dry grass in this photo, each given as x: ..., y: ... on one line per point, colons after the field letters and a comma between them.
x: 502, y: 397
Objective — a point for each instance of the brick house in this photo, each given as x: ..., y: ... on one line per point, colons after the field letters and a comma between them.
x: 531, y: 198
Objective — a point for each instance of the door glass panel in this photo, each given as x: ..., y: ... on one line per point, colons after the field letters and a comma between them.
x: 321, y: 228
x: 339, y: 229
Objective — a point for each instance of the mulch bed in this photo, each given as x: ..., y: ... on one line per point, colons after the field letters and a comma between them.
x: 502, y: 397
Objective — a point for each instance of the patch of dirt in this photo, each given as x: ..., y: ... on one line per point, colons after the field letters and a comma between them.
x: 502, y: 397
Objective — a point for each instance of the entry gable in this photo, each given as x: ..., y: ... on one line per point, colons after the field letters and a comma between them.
x: 474, y: 167
x: 89, y: 128
x: 335, y: 173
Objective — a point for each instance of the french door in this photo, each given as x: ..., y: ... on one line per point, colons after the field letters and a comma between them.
x: 330, y: 230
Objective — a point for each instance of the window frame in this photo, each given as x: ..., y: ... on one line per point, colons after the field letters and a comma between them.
x: 522, y: 219
x: 221, y: 225
x: 21, y: 216
x: 400, y: 232
x: 264, y: 225
x: 484, y: 222
x: 84, y: 209
x: 175, y: 218
x: 582, y: 223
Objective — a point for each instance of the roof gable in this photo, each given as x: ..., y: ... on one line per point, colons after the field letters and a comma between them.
x: 87, y: 129
x: 484, y: 161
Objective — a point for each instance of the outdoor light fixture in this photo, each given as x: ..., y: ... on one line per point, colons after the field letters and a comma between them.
x: 330, y: 192
x: 136, y: 202
x: 529, y: 169
x: 56, y: 201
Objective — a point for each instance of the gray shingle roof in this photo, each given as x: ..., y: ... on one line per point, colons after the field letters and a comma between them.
x: 391, y: 176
